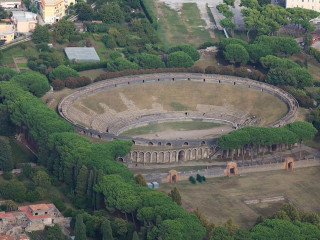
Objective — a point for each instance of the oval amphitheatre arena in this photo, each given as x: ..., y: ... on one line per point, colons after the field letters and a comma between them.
x: 174, y: 117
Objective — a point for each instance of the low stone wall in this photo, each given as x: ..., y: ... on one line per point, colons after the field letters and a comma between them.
x: 66, y: 103
x: 219, y: 172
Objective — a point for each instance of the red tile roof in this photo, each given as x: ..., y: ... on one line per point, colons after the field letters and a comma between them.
x: 29, y: 214
x: 6, y: 215
x: 36, y: 207
x: 6, y: 237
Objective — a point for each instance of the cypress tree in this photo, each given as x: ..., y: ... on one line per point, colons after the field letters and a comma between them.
x: 135, y: 236
x: 106, y: 230
x: 6, y: 163
x: 81, y: 185
x: 90, y: 184
x: 175, y: 196
x: 80, y: 228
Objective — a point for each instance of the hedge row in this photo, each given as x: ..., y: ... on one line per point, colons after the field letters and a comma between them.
x: 88, y: 66
x: 225, y: 70
x: 149, y: 13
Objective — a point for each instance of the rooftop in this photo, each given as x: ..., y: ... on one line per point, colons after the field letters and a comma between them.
x: 6, y: 215
x: 6, y: 237
x: 39, y: 207
x: 82, y: 54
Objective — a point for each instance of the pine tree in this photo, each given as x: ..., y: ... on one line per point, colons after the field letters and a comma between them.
x: 106, y: 230
x: 175, y: 195
x: 81, y: 185
x: 5, y: 156
x: 80, y: 228
x: 135, y: 236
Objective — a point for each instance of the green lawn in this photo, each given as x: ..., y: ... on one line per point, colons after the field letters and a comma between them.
x: 160, y: 127
x: 187, y: 27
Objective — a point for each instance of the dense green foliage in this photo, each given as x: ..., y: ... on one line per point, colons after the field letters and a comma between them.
x: 179, y: 59
x: 41, y: 34
x: 63, y: 72
x: 6, y: 73
x: 236, y: 53
x: 6, y: 163
x: 190, y: 50
x: 75, y: 160
x: 146, y: 60
x: 34, y: 82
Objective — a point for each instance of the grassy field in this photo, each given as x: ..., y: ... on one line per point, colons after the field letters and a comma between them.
x: 160, y: 127
x: 186, y: 27
x: 189, y: 94
x: 223, y: 198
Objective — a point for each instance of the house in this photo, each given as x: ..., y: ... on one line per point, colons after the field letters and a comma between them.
x: 6, y: 32
x: 24, y: 21
x: 30, y: 218
x: 52, y: 10
x: 10, y: 3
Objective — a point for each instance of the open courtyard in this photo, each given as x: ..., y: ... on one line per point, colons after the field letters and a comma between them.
x: 223, y: 198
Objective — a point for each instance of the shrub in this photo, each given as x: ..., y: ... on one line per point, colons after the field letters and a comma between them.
x: 188, y: 49
x: 57, y: 84
x: 192, y: 180
x: 212, y: 70
x: 63, y: 72
x: 72, y: 82
x: 7, y: 175
x: 199, y: 178
x: 241, y: 72
x: 179, y: 59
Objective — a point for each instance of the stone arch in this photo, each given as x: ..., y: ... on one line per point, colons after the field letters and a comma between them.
x: 199, y: 153
x: 188, y: 154
x: 161, y: 157
x: 120, y: 159
x: 205, y: 153
x: 173, y: 176
x: 141, y: 157
x: 168, y: 144
x: 134, y: 156
x: 134, y: 142
x: 147, y: 157
x: 193, y: 154
x: 154, y: 157
x: 185, y: 144
x: 174, y: 156
x: 288, y: 163
x: 150, y: 143
x: 159, y: 143
x: 203, y: 143
x: 181, y: 156
x: 231, y: 169
x: 167, y: 157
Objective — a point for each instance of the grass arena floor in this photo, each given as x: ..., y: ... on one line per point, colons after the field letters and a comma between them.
x: 181, y: 96
x: 223, y: 198
x: 178, y: 126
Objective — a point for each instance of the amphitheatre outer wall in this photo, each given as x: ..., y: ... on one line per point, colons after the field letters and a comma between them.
x: 181, y: 150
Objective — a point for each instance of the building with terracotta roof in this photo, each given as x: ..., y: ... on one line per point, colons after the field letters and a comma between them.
x: 31, y: 218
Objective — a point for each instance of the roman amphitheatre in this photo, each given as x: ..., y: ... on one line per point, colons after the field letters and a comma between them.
x: 175, y: 111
